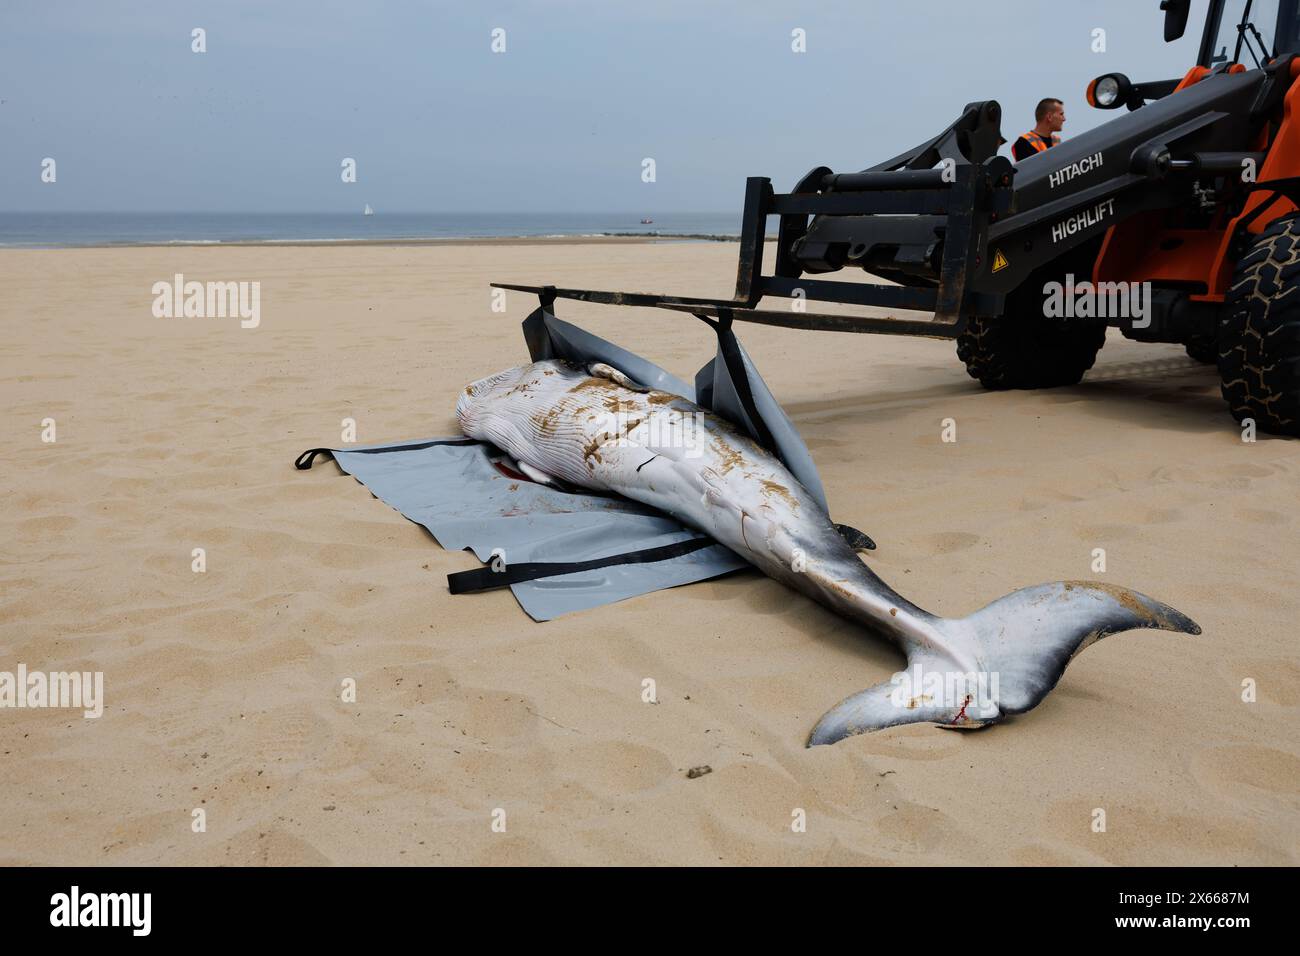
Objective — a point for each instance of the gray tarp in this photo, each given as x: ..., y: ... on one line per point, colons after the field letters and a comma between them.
x: 469, y: 495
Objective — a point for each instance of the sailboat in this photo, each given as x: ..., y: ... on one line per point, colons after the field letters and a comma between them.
x: 369, y: 211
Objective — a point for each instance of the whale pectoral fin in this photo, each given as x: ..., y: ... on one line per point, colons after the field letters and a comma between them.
x: 601, y: 370
x: 535, y: 474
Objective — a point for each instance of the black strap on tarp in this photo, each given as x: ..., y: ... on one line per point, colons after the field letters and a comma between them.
x: 488, y: 578
x: 304, y: 461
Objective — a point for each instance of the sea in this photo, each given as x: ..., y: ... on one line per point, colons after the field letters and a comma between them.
x: 52, y: 229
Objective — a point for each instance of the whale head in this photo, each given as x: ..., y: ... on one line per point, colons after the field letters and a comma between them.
x: 478, y: 395
x: 486, y: 388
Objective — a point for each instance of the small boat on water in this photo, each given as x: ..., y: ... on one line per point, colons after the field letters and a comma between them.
x: 369, y: 211
x: 646, y: 222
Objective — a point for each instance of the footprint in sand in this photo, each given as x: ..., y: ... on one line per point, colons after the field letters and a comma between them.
x: 1240, y: 771
x: 1262, y: 516
x: 50, y: 524
x: 912, y: 742
x: 270, y: 846
x: 165, y: 397
x: 949, y: 542
x: 616, y: 768
x: 294, y: 735
x: 1276, y: 681
x: 1248, y: 470
x: 1048, y: 500
x: 912, y: 828
x: 1154, y: 835
x: 1102, y: 533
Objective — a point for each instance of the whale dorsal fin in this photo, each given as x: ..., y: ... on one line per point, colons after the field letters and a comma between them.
x: 601, y: 370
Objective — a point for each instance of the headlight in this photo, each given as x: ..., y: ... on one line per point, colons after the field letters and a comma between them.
x: 1107, y: 92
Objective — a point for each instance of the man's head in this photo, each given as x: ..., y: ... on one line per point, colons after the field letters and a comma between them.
x: 1050, y: 115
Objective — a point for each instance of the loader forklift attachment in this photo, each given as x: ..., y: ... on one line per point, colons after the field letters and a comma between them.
x: 921, y: 219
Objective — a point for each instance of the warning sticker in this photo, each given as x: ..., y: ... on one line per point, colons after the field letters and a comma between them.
x: 999, y: 261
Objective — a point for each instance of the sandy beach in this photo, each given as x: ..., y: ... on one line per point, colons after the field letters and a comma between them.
x: 222, y: 688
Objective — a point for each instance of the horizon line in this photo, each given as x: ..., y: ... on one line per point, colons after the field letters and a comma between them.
x: 413, y: 212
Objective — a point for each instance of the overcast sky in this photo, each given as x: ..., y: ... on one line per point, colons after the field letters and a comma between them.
x: 710, y: 89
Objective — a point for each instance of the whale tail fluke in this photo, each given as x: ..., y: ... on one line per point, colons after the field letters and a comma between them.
x: 1021, y: 645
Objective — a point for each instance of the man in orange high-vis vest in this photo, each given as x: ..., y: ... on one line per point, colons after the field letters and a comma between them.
x: 1049, y: 117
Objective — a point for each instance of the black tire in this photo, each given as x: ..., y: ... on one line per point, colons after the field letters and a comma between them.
x: 1204, y: 350
x: 1259, y: 332
x: 1024, y: 349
